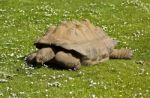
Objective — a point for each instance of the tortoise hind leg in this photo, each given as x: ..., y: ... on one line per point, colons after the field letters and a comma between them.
x: 67, y: 60
x: 121, y: 54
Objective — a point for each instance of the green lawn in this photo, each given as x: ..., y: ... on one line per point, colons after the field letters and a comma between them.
x: 22, y: 21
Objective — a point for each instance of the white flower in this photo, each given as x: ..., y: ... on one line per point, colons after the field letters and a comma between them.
x: 3, y: 80
x: 1, y: 94
x: 94, y: 96
x: 46, y: 90
x: 55, y: 84
x: 70, y: 92
x: 70, y: 78
x: 21, y: 93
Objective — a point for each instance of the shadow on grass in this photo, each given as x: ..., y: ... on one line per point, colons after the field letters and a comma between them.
x: 49, y: 65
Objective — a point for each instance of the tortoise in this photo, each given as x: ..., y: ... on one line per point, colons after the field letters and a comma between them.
x: 75, y: 43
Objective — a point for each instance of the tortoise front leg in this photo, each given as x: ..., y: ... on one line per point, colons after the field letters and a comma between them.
x: 67, y: 60
x: 44, y: 55
x: 31, y: 59
x: 40, y: 57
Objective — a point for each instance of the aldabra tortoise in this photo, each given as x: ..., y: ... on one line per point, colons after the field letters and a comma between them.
x: 75, y: 43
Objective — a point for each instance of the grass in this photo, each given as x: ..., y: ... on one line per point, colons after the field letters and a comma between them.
x: 22, y: 21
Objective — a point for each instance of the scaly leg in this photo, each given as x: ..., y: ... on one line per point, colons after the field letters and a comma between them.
x: 44, y: 55
x: 31, y: 59
x: 67, y: 60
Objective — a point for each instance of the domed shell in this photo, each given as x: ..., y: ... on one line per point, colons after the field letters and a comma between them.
x: 81, y: 36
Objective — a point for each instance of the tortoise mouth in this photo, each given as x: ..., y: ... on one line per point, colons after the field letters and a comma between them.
x: 56, y: 48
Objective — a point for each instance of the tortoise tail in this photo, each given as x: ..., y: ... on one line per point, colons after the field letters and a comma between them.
x: 121, y: 54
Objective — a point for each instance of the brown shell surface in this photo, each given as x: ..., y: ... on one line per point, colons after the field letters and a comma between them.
x: 81, y: 36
